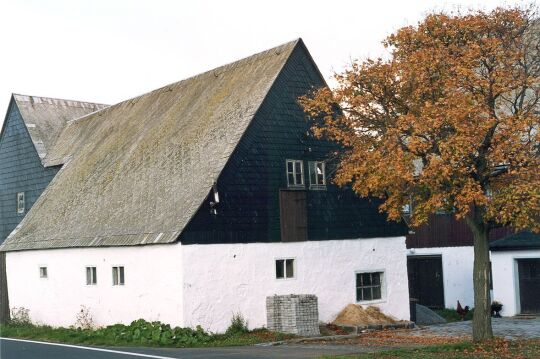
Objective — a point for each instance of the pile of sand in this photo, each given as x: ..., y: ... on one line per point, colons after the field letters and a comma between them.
x: 355, y: 315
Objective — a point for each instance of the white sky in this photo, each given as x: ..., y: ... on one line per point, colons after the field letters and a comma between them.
x: 110, y: 50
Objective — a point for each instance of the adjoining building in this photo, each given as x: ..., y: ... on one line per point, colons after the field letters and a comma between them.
x: 198, y: 200
x: 515, y: 263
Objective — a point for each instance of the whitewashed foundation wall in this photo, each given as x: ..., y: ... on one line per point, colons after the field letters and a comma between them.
x: 189, y: 285
x: 457, y: 265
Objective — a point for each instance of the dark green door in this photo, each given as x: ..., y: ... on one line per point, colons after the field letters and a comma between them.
x: 529, y: 285
x: 426, y: 280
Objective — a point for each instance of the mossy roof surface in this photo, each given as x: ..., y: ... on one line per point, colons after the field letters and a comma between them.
x: 136, y: 172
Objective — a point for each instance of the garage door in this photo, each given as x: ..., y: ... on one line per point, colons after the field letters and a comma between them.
x: 529, y: 285
x: 426, y: 280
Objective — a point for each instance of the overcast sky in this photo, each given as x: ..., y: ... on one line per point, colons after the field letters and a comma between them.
x: 110, y: 50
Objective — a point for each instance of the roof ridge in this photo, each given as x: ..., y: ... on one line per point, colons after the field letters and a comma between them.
x: 67, y: 102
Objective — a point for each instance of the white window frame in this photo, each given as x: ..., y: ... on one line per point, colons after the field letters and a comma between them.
x: 116, y: 277
x: 383, y: 286
x: 294, y: 173
x: 93, y: 275
x: 312, y: 165
x: 43, y: 275
x: 285, y: 259
x: 21, y: 202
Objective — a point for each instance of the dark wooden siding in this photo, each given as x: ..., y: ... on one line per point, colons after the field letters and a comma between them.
x: 250, y: 183
x: 4, y: 299
x: 20, y: 171
x: 443, y: 230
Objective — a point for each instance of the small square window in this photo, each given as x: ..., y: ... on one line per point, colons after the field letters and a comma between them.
x: 284, y: 268
x: 91, y: 276
x: 295, y: 174
x: 43, y: 272
x: 317, y: 175
x: 118, y: 275
x: 20, y: 203
x: 369, y: 286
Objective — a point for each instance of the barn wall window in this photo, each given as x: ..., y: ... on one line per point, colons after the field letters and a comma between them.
x: 118, y: 275
x: 285, y: 268
x: 369, y: 286
x: 43, y: 272
x: 317, y: 175
x: 295, y: 173
x: 91, y: 276
x: 20, y: 203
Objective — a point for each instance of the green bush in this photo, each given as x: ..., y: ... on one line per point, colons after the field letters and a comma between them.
x: 238, y: 325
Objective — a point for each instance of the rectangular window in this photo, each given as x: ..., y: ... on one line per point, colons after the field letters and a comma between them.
x: 317, y: 175
x: 368, y: 286
x: 295, y: 174
x: 118, y: 275
x: 284, y: 268
x: 91, y: 276
x: 20, y: 203
x: 43, y: 272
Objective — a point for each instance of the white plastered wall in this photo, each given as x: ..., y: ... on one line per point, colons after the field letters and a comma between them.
x: 223, y: 279
x: 152, y: 290
x: 457, y: 265
x: 506, y: 280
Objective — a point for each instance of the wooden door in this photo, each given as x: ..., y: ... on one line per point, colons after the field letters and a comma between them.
x: 426, y: 280
x: 529, y: 285
x: 293, y: 215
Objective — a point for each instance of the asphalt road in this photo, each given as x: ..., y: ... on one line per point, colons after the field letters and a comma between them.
x: 18, y: 349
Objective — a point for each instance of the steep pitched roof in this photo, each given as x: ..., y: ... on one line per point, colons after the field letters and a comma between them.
x: 46, y: 117
x: 517, y: 241
x: 136, y: 172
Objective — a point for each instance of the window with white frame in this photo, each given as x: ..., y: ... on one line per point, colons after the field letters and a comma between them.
x: 284, y: 268
x: 369, y: 286
x: 20, y: 203
x: 317, y: 175
x: 91, y: 276
x: 43, y: 272
x: 295, y: 174
x: 118, y: 275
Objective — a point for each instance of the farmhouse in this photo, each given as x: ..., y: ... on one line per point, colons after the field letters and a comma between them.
x: 198, y: 200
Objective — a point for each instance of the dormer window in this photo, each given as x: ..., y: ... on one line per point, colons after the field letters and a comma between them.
x: 295, y: 174
x: 20, y: 203
x: 317, y: 175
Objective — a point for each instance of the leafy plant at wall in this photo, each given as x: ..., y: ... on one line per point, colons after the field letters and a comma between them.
x: 84, y: 319
x: 238, y: 325
x: 20, y: 316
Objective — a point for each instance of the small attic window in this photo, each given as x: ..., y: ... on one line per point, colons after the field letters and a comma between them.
x: 295, y: 173
x: 20, y: 203
x: 317, y: 175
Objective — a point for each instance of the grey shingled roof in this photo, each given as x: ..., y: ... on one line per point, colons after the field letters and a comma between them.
x: 136, y: 172
x: 46, y: 117
x: 517, y: 241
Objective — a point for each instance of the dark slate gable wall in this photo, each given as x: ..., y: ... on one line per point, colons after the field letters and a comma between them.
x: 249, y: 185
x: 20, y: 171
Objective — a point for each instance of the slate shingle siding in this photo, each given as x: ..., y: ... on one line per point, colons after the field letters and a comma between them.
x: 249, y: 184
x: 21, y: 170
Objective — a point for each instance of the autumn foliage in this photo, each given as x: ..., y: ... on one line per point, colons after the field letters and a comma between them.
x: 449, y: 121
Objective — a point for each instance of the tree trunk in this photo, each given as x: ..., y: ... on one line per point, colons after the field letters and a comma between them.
x: 481, y: 275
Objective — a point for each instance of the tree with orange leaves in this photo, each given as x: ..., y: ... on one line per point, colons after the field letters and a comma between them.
x: 449, y: 121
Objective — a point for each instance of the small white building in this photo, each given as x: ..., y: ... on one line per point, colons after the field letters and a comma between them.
x: 515, y: 264
x: 197, y: 201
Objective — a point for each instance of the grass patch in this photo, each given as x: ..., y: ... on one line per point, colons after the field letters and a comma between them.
x: 140, y: 333
x: 496, y: 348
x: 452, y: 316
